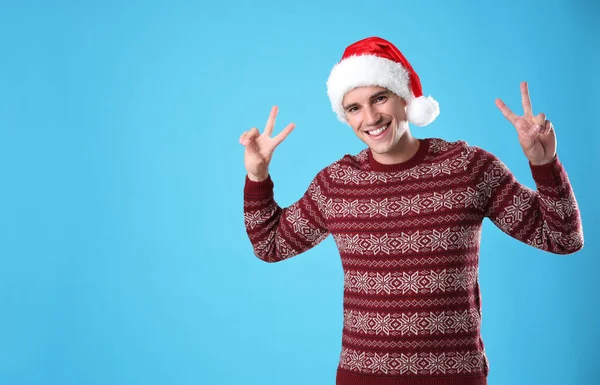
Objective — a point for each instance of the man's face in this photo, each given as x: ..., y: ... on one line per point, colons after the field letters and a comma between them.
x: 370, y: 108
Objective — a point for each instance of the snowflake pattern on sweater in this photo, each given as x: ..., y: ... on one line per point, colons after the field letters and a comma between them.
x: 408, y: 237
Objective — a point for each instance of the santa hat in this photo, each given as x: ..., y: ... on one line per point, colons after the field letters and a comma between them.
x: 377, y: 62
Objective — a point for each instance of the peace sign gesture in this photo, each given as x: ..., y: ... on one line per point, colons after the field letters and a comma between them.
x: 260, y: 147
x: 536, y: 134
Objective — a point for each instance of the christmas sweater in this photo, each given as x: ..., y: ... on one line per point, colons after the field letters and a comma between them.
x: 408, y: 235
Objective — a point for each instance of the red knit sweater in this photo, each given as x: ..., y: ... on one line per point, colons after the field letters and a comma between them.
x: 408, y: 235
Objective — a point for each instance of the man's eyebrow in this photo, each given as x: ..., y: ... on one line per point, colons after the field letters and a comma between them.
x: 374, y: 96
x: 348, y: 106
x: 378, y: 94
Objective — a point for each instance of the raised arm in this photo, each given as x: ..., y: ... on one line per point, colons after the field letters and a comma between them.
x: 259, y: 147
x: 549, y: 218
x: 277, y: 233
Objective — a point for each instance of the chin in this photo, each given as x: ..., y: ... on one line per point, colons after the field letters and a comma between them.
x: 381, y: 150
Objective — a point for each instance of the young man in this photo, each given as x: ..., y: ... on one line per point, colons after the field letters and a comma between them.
x: 406, y: 215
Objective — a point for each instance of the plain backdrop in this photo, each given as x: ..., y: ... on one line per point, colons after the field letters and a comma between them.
x: 123, y: 253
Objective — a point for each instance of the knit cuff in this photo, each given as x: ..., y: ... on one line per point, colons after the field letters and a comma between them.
x: 259, y: 190
x: 549, y: 173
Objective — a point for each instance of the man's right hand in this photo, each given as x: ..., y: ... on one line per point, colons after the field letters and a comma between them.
x: 260, y: 147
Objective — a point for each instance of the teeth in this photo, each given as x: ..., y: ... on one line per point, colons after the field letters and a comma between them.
x: 378, y: 131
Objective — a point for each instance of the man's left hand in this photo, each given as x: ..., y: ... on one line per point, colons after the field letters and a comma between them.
x: 536, y: 134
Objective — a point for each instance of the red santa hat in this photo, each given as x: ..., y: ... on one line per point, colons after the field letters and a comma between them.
x: 377, y: 62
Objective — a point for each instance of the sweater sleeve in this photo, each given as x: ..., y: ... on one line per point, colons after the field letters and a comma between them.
x: 548, y: 219
x: 279, y: 233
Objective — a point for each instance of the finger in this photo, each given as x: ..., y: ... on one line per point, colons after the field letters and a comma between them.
x: 508, y: 114
x: 534, y: 131
x: 548, y: 127
x: 531, y: 142
x: 250, y: 143
x: 252, y: 134
x: 527, y: 128
x: 284, y: 133
x: 540, y: 119
x: 243, y: 136
x: 525, y: 99
x: 271, y: 121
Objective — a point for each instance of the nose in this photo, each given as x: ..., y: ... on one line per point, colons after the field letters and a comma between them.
x: 372, y: 116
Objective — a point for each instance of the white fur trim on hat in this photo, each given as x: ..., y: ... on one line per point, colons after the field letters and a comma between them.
x: 422, y: 110
x: 370, y: 70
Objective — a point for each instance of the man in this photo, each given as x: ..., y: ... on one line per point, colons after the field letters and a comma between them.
x: 406, y: 216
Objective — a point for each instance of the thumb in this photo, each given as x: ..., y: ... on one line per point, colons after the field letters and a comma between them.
x: 548, y: 126
x: 534, y: 131
x: 540, y: 119
x: 250, y: 136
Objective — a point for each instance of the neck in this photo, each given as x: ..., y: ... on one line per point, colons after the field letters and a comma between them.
x: 406, y: 148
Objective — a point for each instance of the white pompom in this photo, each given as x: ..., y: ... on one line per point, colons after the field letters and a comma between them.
x: 422, y: 111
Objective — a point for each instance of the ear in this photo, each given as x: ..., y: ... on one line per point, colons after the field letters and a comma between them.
x: 402, y: 100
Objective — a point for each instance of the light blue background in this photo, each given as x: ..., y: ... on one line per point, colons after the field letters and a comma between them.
x: 123, y: 254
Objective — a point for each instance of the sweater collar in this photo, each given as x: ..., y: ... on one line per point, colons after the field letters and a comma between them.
x: 415, y: 160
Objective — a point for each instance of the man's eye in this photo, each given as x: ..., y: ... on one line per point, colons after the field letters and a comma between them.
x: 352, y: 109
x: 380, y: 98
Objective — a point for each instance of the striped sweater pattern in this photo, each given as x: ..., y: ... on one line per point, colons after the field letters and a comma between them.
x: 408, y: 236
